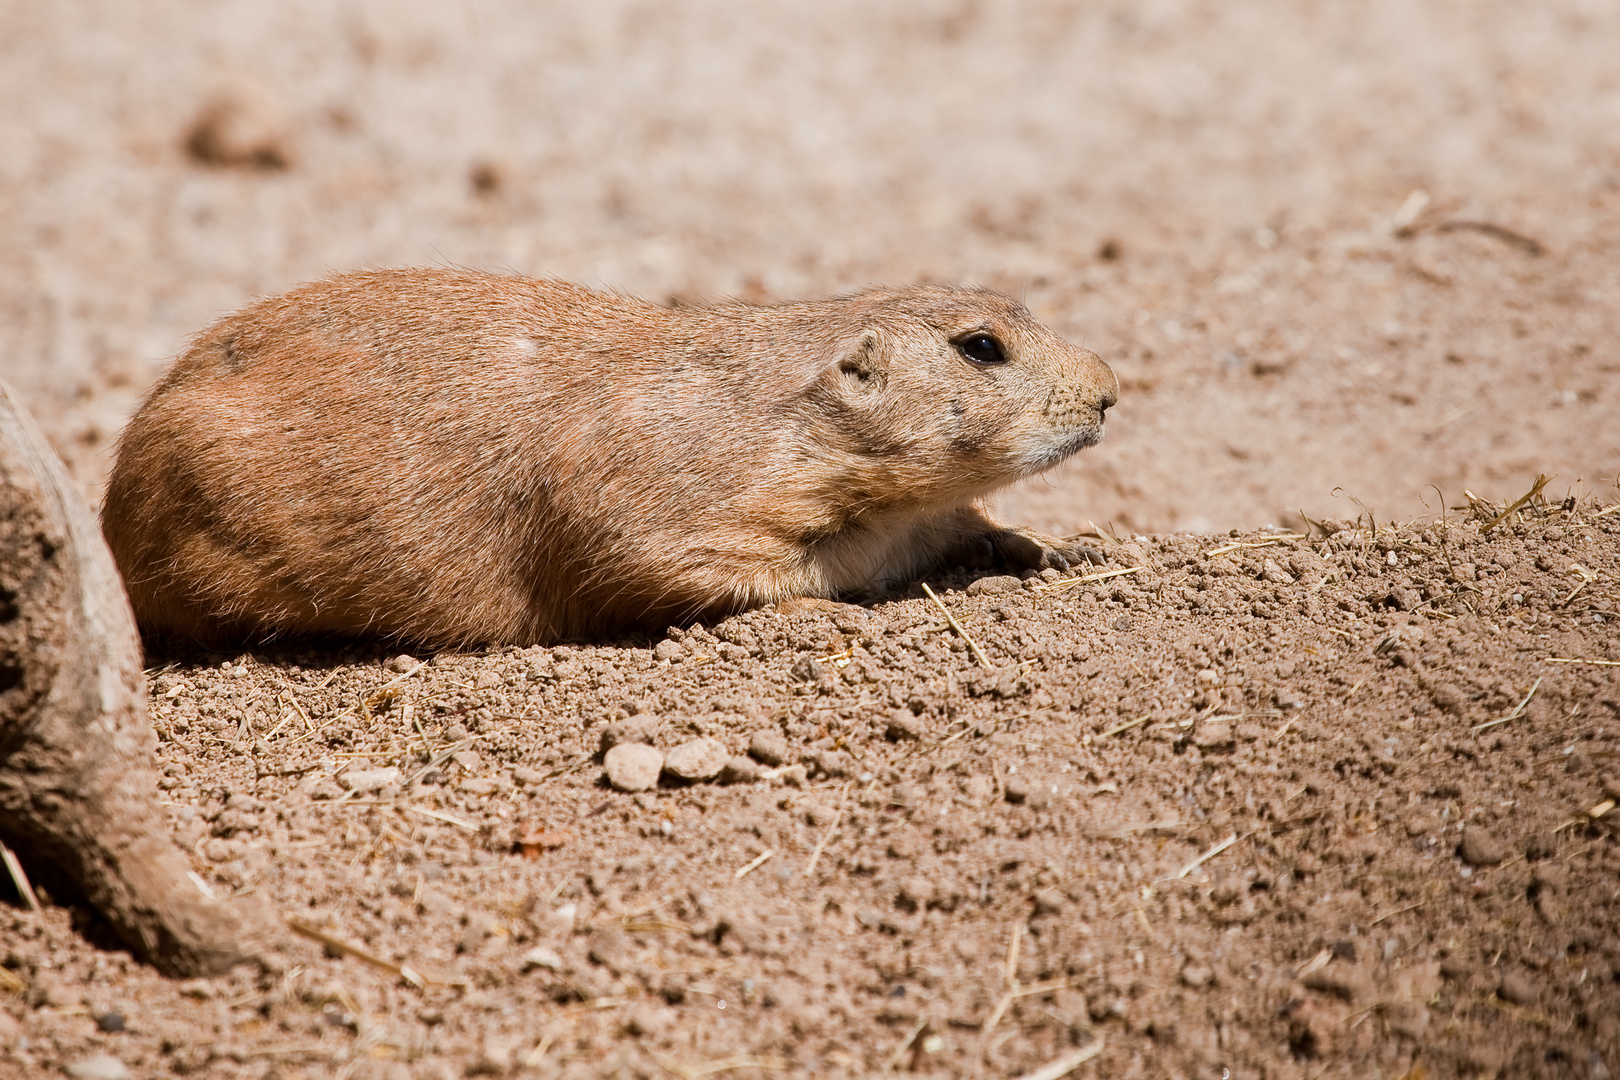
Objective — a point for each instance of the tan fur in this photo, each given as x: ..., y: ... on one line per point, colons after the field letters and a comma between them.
x: 452, y: 457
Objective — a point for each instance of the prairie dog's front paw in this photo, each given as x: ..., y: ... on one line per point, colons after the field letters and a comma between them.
x: 1037, y: 551
x: 1024, y: 549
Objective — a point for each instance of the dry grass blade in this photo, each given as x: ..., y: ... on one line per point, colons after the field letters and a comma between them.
x: 1581, y: 660
x: 1064, y: 1064
x: 984, y: 661
x: 1315, y: 963
x: 1514, y: 715
x: 391, y: 683
x: 1535, y: 489
x: 821, y: 845
x: 1127, y: 725
x: 19, y: 879
x: 1267, y: 542
x: 905, y: 1044
x: 754, y: 864
x: 1009, y: 971
x: 338, y: 945
x: 440, y: 815
x: 10, y: 981
x: 709, y: 1068
x: 1526, y: 244
x: 1101, y: 575
x: 1206, y: 856
x: 1397, y: 911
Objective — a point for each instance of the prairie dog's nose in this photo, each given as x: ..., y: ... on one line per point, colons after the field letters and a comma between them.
x: 1102, y: 376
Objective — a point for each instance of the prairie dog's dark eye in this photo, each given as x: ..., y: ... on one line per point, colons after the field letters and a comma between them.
x: 982, y: 349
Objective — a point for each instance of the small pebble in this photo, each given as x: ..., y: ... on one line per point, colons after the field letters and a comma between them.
x: 401, y: 664
x: 830, y: 763
x: 1518, y: 988
x: 1409, y: 1018
x: 915, y: 893
x: 1197, y: 976
x: 637, y: 729
x: 989, y: 586
x: 100, y: 1067
x: 110, y: 1021
x: 739, y: 770
x: 768, y: 747
x: 365, y: 781
x: 697, y: 759
x: 633, y: 766
x: 819, y: 814
x: 903, y: 726
x: 542, y: 956
x: 1346, y: 981
x: 1480, y: 848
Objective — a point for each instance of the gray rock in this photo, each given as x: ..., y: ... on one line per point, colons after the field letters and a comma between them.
x: 698, y: 759
x: 768, y: 747
x: 633, y: 766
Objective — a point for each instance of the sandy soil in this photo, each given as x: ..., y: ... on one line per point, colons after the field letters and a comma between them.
x: 1336, y: 252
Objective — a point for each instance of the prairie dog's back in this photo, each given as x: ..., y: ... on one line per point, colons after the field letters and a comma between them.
x: 452, y: 456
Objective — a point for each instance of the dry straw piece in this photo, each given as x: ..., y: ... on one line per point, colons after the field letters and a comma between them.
x: 1101, y: 575
x: 984, y: 661
x: 1514, y: 715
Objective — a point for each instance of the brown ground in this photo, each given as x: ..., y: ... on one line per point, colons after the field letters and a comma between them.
x: 1220, y: 200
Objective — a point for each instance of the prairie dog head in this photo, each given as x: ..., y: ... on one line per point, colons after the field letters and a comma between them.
x: 950, y: 393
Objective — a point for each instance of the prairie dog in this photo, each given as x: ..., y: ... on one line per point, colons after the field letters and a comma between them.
x: 451, y: 457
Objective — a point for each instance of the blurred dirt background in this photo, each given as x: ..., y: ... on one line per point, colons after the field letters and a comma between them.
x: 1349, y: 260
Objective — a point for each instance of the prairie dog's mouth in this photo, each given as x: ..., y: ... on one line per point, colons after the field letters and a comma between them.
x: 1062, y: 446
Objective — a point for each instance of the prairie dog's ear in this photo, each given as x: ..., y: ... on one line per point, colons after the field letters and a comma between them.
x: 864, y: 366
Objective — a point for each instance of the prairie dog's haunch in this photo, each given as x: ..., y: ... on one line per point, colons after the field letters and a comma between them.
x: 450, y: 457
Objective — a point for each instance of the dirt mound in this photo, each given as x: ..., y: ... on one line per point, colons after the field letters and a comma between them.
x: 1331, y: 250
x: 1266, y: 803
